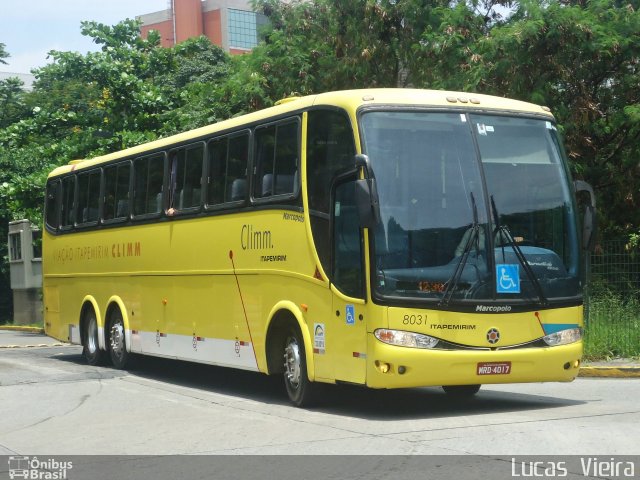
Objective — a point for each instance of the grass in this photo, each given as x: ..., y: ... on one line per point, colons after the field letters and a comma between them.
x: 613, y: 326
x: 9, y: 323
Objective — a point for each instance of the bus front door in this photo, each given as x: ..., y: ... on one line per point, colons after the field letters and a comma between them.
x: 348, y: 335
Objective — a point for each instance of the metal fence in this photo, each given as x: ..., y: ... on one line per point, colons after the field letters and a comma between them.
x: 613, y: 301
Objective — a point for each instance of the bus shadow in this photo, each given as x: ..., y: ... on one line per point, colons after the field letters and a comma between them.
x: 340, y: 400
x: 431, y: 402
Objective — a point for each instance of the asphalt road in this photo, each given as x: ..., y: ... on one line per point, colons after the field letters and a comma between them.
x: 53, y: 403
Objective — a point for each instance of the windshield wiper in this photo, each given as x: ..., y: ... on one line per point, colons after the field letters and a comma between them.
x: 452, y: 283
x: 503, y: 232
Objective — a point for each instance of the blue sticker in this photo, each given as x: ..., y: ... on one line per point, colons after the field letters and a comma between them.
x: 507, y: 278
x: 351, y: 315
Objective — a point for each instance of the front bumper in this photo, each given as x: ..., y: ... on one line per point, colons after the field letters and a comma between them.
x: 432, y: 367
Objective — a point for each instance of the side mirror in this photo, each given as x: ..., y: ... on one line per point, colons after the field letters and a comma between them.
x: 589, y: 221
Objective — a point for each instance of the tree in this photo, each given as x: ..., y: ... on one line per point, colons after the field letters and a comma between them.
x: 81, y: 106
x: 3, y: 53
x: 578, y: 58
x: 12, y: 106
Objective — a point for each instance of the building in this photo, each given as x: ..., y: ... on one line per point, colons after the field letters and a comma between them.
x: 230, y: 24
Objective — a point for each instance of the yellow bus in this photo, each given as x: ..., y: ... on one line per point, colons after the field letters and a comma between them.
x: 387, y: 237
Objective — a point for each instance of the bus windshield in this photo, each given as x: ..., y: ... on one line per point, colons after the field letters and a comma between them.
x: 473, y: 207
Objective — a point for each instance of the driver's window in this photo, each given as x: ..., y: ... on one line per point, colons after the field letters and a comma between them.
x: 348, y: 270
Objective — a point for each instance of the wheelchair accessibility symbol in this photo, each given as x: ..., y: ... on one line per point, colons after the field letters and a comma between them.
x: 351, y: 315
x: 508, y: 278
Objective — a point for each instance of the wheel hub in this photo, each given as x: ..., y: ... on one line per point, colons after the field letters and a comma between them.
x: 292, y: 362
x: 117, y: 338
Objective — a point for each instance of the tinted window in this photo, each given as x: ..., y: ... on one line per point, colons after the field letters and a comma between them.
x: 228, y: 158
x: 149, y: 179
x: 88, y: 197
x: 53, y: 196
x: 116, y: 191
x: 330, y: 150
x: 276, y: 160
x: 68, y: 193
x: 347, y: 270
x: 186, y: 177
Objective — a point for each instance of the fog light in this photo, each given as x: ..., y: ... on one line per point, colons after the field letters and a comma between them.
x: 382, y: 366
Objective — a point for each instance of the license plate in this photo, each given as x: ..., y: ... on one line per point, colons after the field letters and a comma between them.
x: 494, y: 368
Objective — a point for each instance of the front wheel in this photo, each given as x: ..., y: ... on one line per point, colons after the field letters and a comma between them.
x: 296, y: 380
x: 116, y: 342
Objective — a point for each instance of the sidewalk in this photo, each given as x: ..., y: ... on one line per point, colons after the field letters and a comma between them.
x: 617, y: 368
x: 21, y: 337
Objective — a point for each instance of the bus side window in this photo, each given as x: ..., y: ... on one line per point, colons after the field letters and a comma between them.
x: 217, y: 171
x: 237, y: 164
x: 52, y: 214
x: 88, y: 197
x: 276, y: 170
x: 148, y: 173
x: 228, y: 159
x: 68, y: 198
x: 116, y: 191
x: 186, y: 177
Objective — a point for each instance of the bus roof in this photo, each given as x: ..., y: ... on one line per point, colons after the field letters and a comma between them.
x: 350, y: 100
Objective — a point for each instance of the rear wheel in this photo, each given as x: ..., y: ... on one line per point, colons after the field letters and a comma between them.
x: 296, y: 379
x: 117, y: 346
x: 91, y: 348
x: 461, y: 391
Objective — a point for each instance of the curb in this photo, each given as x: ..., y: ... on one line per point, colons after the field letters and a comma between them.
x: 40, y: 345
x: 622, y: 371
x: 19, y: 328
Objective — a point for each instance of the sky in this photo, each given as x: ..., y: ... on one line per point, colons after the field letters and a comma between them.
x: 31, y: 28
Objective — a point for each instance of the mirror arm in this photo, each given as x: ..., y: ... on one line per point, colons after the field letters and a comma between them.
x: 362, y: 161
x: 367, y: 193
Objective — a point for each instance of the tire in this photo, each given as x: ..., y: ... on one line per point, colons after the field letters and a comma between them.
x: 116, y: 342
x: 90, y: 346
x: 296, y: 379
x: 461, y: 391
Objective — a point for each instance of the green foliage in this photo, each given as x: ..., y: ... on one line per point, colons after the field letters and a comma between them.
x: 3, y: 53
x: 325, y: 45
x: 579, y: 58
x: 582, y: 61
x: 12, y: 106
x: 613, y: 327
x: 130, y: 92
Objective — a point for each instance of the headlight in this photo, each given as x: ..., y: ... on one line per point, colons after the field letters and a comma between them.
x: 563, y: 337
x: 405, y: 339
